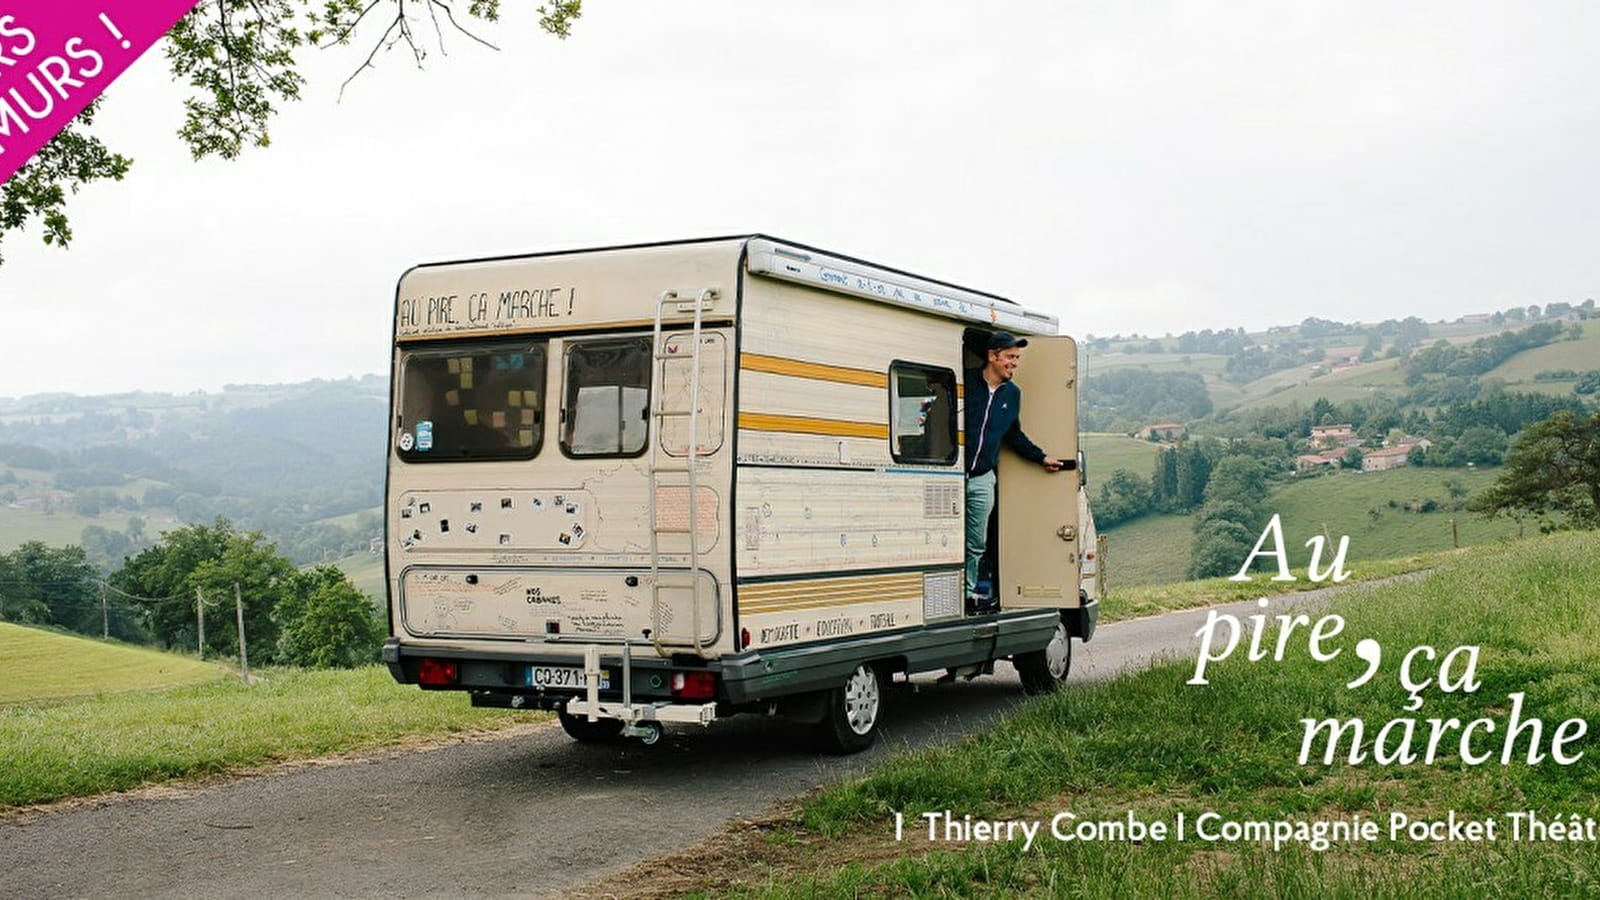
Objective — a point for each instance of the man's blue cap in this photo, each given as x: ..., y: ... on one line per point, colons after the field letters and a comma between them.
x: 1005, y: 340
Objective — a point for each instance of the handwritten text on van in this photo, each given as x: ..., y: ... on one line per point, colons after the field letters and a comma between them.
x: 484, y: 309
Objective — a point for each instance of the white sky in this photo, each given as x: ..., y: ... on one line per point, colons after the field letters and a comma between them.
x: 1150, y: 167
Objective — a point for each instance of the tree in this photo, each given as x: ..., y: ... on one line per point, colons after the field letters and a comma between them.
x: 1240, y: 479
x: 1123, y: 497
x: 210, y: 559
x: 1480, y: 445
x: 1223, y: 537
x: 1352, y: 459
x: 1194, y: 471
x: 1164, y: 481
x: 1553, y: 468
x: 43, y: 585
x: 241, y: 57
x: 326, y: 622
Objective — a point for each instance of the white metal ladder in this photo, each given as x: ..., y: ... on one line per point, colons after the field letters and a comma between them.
x: 686, y: 469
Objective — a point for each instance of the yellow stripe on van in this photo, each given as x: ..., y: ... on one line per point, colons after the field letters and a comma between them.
x: 780, y: 365
x: 779, y: 596
x: 765, y: 608
x: 810, y: 425
x: 828, y: 585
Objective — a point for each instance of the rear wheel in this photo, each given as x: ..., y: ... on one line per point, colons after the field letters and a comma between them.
x: 581, y: 729
x: 1043, y: 670
x: 850, y: 718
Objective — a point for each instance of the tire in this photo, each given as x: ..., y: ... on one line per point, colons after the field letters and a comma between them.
x: 1043, y: 670
x: 851, y: 712
x: 580, y: 729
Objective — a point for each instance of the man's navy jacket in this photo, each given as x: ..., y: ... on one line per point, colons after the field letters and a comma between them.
x: 992, y: 418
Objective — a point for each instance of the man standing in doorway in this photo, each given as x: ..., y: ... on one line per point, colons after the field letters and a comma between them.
x: 993, y: 409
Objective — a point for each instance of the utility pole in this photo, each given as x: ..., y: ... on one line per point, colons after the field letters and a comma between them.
x: 105, y: 617
x: 238, y: 608
x: 200, y: 620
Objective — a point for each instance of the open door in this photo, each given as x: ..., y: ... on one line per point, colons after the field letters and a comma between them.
x: 1040, y: 544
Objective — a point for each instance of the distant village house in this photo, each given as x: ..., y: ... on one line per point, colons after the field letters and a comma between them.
x: 1334, y: 436
x: 1168, y: 431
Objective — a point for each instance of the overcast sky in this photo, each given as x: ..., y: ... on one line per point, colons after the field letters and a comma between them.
x: 1147, y: 167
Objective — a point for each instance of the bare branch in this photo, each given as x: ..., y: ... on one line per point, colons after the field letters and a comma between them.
x: 344, y: 34
x: 450, y: 14
x: 367, y: 63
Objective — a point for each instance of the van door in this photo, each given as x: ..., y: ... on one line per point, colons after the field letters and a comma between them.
x: 1039, y: 540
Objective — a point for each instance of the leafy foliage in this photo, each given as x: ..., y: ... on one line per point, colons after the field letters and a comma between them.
x: 316, y: 618
x: 241, y: 57
x: 59, y: 587
x: 325, y: 623
x: 1444, y: 358
x: 1229, y: 521
x: 1554, y: 468
x: 40, y: 188
x: 1124, y: 399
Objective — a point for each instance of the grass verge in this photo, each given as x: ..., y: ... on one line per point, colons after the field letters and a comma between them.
x: 116, y: 742
x: 48, y: 665
x: 1154, y: 599
x: 1152, y: 746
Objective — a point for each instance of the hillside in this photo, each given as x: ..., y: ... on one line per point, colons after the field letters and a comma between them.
x: 1337, y: 361
x: 1402, y: 512
x: 47, y: 665
x: 282, y: 459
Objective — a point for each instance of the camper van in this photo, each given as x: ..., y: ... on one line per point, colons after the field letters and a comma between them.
x: 672, y: 482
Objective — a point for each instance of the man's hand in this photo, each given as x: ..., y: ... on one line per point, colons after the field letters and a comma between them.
x: 1051, y: 464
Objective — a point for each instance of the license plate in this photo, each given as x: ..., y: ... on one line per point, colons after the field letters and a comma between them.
x: 564, y: 677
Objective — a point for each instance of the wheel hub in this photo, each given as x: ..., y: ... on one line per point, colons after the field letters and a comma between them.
x: 861, y: 700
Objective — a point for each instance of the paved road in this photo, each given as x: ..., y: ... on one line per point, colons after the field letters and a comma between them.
x: 529, y: 815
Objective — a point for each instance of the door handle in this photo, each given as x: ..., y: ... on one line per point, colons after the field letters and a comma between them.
x: 1067, y: 533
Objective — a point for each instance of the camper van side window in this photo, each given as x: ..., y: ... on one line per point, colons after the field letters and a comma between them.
x: 922, y: 414
x: 606, y: 408
x: 472, y: 402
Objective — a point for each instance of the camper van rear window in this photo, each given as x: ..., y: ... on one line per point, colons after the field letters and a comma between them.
x: 922, y: 414
x: 479, y: 402
x: 606, y: 407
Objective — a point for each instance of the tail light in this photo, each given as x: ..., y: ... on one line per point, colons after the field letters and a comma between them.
x: 694, y: 685
x: 438, y: 673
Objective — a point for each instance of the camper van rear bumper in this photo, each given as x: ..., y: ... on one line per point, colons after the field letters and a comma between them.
x: 753, y: 676
x: 1081, y: 622
x: 821, y: 666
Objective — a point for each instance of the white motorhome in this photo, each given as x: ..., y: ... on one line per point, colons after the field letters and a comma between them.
x: 672, y: 482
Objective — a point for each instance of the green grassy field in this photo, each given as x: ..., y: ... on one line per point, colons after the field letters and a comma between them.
x: 156, y: 717
x: 62, y: 527
x: 1151, y: 746
x: 1107, y: 453
x: 1299, y: 385
x: 1580, y: 355
x: 1149, y: 550
x: 1155, y: 549
x: 1204, y: 363
x: 365, y: 570
x: 1343, y: 502
x: 57, y: 528
x: 45, y: 666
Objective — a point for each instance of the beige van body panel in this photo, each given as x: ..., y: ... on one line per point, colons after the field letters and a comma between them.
x: 555, y: 548
x: 818, y: 489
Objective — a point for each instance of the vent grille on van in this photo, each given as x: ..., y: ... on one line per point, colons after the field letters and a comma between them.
x: 941, y: 595
x: 941, y: 499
